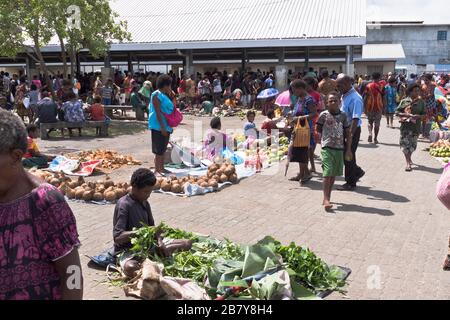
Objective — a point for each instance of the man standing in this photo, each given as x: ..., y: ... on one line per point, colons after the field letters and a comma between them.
x: 311, y: 73
x: 190, y: 91
x: 327, y: 85
x: 6, y: 85
x: 352, y: 106
x: 217, y: 85
x: 373, y: 102
x: 269, y: 81
x: 247, y: 90
x: 108, y: 92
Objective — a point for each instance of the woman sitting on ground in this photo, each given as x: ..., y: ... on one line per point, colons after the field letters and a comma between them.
x: 216, y: 141
x: 38, y: 234
x: 33, y: 157
x: 233, y: 104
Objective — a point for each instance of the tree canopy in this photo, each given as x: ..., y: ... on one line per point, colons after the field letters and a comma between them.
x: 28, y: 25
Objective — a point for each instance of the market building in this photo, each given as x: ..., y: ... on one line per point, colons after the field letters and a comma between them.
x: 426, y: 46
x: 198, y: 36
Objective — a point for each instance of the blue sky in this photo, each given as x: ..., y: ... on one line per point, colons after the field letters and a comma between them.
x: 431, y: 11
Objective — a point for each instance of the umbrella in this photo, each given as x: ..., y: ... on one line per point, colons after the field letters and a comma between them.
x: 268, y: 93
x: 284, y: 99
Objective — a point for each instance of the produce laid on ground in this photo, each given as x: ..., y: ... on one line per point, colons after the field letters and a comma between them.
x: 269, y: 155
x: 79, y: 189
x: 441, y: 149
x: 225, y: 270
x: 217, y: 174
x: 111, y: 160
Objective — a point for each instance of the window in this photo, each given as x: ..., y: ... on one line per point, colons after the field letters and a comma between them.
x: 442, y: 36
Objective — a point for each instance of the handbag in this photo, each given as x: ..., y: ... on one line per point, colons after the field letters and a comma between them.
x: 302, y: 135
x: 175, y: 118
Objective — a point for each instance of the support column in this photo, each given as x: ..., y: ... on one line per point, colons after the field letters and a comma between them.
x: 349, y: 65
x: 281, y: 71
x: 27, y: 68
x: 77, y: 64
x: 107, y: 71
x: 244, y: 60
x: 307, y: 54
x: 31, y: 68
x: 108, y: 59
x: 189, y: 64
x: 130, y: 63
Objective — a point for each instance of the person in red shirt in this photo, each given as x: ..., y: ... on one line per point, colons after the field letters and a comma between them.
x: 97, y: 112
x: 374, y: 105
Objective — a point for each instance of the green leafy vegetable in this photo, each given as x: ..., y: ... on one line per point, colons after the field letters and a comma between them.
x: 224, y: 263
x: 310, y: 269
x: 144, y: 242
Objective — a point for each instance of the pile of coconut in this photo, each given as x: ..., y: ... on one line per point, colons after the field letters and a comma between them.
x: 81, y: 190
x: 217, y: 174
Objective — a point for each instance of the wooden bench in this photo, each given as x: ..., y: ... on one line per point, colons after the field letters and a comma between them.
x: 100, y: 125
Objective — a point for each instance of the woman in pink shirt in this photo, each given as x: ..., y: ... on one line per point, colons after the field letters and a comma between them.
x: 39, y: 243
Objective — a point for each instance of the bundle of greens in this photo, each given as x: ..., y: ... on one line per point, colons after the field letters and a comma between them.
x: 221, y: 262
x: 195, y: 264
x: 310, y: 270
x: 145, y: 241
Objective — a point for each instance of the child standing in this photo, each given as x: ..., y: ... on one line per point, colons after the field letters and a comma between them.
x: 391, y: 101
x: 250, y: 127
x: 334, y: 128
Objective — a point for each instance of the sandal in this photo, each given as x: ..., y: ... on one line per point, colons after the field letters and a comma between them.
x: 295, y: 179
x: 408, y: 169
x: 306, y: 179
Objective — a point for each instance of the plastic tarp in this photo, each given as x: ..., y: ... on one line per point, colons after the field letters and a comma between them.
x: 73, y: 167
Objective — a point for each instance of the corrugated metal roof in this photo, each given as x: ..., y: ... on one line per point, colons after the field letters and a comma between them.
x: 373, y: 52
x: 156, y: 21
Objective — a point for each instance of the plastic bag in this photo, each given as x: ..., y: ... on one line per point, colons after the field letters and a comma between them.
x: 62, y: 164
x: 443, y: 187
x: 235, y: 159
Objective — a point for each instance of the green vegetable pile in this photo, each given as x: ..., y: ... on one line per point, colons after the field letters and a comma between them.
x: 222, y: 262
x: 309, y: 269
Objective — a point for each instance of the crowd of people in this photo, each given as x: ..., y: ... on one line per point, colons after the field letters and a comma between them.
x: 331, y: 110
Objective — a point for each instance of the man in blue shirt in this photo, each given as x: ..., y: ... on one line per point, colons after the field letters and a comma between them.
x: 269, y: 81
x: 352, y: 106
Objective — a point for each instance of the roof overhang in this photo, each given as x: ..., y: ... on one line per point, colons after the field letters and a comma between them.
x: 382, y: 52
x: 231, y: 44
